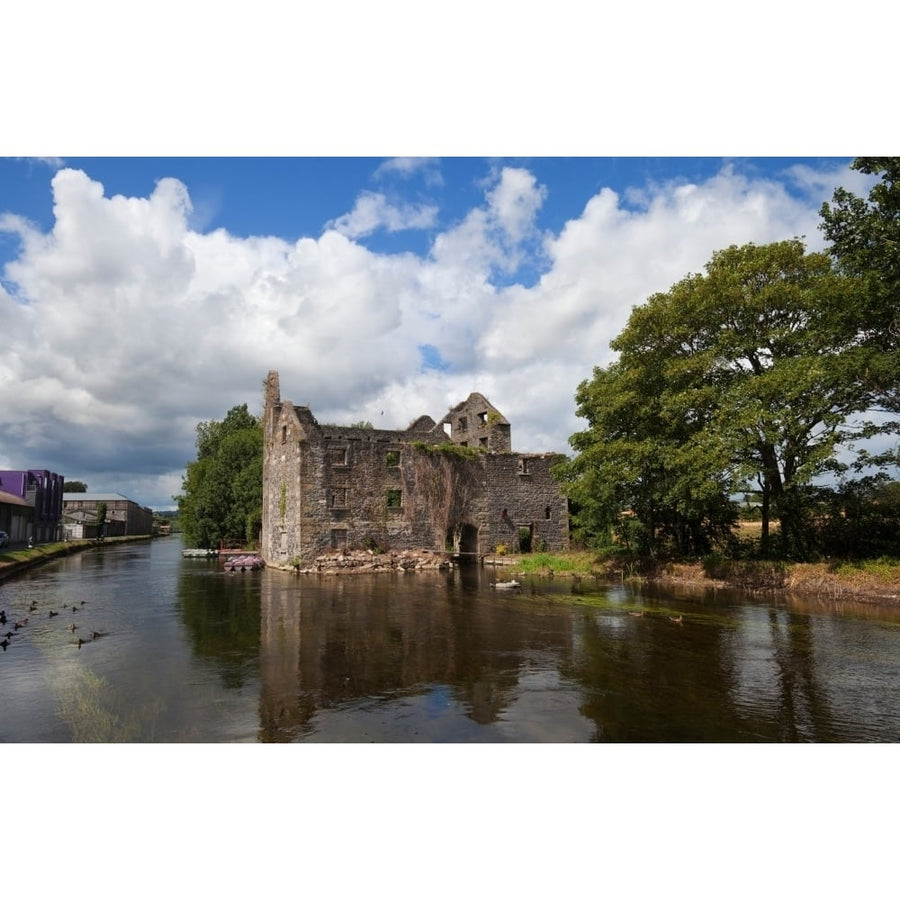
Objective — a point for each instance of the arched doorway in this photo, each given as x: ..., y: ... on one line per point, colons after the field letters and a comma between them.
x: 462, y: 541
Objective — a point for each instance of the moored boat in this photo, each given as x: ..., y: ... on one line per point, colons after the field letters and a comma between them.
x: 244, y: 563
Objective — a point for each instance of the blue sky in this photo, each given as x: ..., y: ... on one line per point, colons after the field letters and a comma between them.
x: 140, y: 296
x: 291, y: 198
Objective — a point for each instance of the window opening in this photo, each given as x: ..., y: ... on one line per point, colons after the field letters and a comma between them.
x: 394, y: 499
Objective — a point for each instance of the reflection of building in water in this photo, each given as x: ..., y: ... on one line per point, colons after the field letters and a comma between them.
x: 326, y: 642
x: 455, y: 483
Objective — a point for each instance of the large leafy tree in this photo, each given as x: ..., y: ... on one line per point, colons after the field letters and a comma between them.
x: 865, y: 241
x: 221, y: 497
x: 744, y: 376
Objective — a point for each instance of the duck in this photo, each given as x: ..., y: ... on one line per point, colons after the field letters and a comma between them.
x: 676, y: 619
x: 72, y: 627
x: 4, y: 644
x: 8, y: 634
x: 80, y: 642
x: 97, y: 634
x: 53, y: 613
x: 20, y: 624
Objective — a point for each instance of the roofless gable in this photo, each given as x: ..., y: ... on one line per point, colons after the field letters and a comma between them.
x: 476, y: 422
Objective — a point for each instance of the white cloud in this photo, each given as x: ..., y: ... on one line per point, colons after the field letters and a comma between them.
x: 123, y: 326
x: 426, y: 167
x: 497, y: 234
x: 373, y: 211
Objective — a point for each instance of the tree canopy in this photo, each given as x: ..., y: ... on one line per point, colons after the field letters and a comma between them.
x: 865, y: 238
x: 221, y: 497
x: 747, y: 376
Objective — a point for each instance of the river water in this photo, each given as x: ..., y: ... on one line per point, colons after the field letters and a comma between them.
x: 177, y: 650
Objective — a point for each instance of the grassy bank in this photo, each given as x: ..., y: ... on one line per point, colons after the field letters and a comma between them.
x: 875, y: 581
x: 15, y: 561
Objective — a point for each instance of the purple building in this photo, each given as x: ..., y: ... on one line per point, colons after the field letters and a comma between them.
x: 42, y: 491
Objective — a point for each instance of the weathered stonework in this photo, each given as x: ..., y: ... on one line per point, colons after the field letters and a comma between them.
x: 453, y: 485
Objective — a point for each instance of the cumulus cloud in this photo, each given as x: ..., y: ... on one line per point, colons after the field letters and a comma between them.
x: 124, y: 326
x: 497, y: 234
x: 412, y: 166
x: 373, y: 211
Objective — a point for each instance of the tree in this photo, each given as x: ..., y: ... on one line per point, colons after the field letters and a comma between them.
x: 74, y: 487
x: 744, y: 376
x: 100, y: 519
x: 865, y: 238
x: 221, y: 497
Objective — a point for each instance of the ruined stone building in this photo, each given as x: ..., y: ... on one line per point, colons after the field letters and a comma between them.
x: 451, y: 485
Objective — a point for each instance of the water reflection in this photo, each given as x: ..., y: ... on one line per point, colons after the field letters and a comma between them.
x: 192, y: 653
x: 221, y: 615
x: 334, y: 643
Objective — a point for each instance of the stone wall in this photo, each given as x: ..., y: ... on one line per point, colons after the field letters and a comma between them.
x: 328, y: 488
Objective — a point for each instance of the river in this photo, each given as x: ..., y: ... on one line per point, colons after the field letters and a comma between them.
x: 178, y: 650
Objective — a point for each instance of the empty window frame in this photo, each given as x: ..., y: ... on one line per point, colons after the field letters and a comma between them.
x: 337, y: 456
x: 392, y: 458
x: 339, y: 538
x: 339, y: 498
x: 394, y: 499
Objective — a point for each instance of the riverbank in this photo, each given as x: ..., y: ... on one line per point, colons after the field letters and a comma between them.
x: 343, y: 562
x: 874, y: 581
x: 14, y: 562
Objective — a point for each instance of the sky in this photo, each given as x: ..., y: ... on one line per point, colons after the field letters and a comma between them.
x: 140, y: 296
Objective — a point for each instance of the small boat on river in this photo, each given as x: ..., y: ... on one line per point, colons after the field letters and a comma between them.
x: 244, y: 563
x: 505, y: 585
